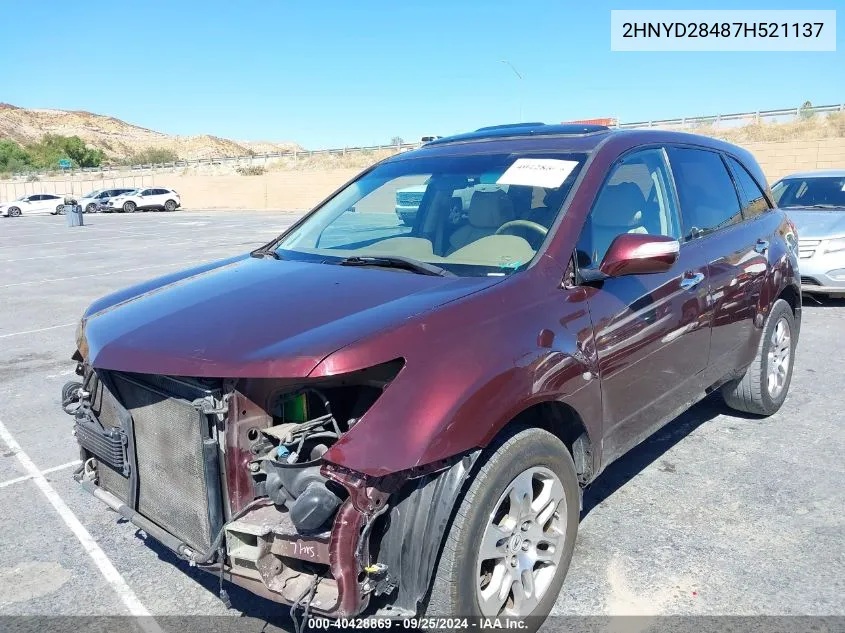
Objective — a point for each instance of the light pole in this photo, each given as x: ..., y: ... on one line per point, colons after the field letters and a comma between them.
x: 517, y: 73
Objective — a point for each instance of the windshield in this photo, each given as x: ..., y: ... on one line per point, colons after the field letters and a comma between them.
x: 485, y: 214
x: 819, y: 192
x: 91, y: 194
x: 130, y: 192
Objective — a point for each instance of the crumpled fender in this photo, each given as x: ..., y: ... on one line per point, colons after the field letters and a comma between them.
x: 469, y: 369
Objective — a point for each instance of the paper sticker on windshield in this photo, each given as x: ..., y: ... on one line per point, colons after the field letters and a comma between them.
x: 538, y: 172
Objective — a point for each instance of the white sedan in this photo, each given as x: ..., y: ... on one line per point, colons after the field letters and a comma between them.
x: 33, y: 204
x: 146, y: 199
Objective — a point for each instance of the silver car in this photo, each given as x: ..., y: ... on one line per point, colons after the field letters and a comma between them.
x: 815, y: 201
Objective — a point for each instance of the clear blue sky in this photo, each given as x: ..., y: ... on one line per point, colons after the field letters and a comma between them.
x: 328, y: 74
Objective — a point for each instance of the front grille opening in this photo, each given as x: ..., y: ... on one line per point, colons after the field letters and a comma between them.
x: 808, y: 281
x: 176, y: 455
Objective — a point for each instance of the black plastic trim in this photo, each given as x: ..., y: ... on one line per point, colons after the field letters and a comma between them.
x: 417, y: 524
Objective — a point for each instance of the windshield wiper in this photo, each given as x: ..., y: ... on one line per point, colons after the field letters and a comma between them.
x: 264, y: 252
x: 397, y: 261
x: 813, y: 206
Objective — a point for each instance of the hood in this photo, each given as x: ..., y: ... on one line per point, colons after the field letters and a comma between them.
x: 249, y: 317
x: 813, y: 223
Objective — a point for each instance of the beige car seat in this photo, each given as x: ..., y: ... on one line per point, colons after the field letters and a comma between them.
x: 488, y: 210
x: 619, y: 210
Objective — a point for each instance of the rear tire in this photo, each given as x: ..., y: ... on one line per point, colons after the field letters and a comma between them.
x: 763, y: 388
x: 129, y: 207
x: 60, y: 209
x: 532, y: 541
x: 170, y: 206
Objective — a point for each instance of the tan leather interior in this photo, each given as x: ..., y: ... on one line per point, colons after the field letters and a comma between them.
x: 488, y: 210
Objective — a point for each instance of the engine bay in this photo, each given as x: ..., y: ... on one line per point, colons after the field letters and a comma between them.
x: 288, y: 458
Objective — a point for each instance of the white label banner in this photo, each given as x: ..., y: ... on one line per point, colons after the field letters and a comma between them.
x: 723, y: 30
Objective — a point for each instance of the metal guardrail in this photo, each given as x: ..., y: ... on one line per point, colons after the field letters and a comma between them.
x: 717, y: 120
x: 759, y: 115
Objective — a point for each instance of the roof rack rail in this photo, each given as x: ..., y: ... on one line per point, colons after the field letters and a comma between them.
x: 517, y: 130
x: 505, y: 126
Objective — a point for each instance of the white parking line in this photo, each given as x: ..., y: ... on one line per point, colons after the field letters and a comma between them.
x: 106, y: 567
x: 43, y: 329
x: 47, y: 471
x: 26, y: 259
x: 109, y: 272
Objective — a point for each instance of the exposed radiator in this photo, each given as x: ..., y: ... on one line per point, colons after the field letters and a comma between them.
x: 176, y: 458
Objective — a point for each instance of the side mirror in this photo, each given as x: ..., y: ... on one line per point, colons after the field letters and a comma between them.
x: 639, y: 254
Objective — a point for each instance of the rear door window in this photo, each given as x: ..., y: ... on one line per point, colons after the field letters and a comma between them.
x: 709, y: 200
x: 753, y: 200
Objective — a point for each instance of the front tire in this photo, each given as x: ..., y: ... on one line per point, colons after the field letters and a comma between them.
x: 14, y: 212
x: 512, y: 537
x: 763, y: 388
x: 91, y: 208
x: 129, y: 207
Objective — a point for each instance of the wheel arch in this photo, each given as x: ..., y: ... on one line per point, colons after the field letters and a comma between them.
x: 792, y: 295
x: 427, y: 505
x: 563, y: 421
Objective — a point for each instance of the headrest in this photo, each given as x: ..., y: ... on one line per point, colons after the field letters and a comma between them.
x: 619, y: 205
x: 489, y: 209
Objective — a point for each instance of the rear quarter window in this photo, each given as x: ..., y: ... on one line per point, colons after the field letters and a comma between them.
x: 753, y: 200
x: 709, y: 200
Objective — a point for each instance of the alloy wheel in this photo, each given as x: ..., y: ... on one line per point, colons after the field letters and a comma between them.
x: 522, y: 544
x: 779, y: 357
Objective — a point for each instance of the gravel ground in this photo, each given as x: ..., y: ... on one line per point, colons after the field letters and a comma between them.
x: 714, y: 515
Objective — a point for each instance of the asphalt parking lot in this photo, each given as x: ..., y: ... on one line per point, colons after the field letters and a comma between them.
x: 715, y: 515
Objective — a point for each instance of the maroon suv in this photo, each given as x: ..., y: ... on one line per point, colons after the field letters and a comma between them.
x: 366, y: 415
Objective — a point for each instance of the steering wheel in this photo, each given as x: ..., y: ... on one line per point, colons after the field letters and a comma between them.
x: 526, y: 224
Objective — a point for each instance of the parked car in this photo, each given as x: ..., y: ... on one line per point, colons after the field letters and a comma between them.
x: 32, y: 204
x: 147, y: 199
x: 815, y: 201
x: 407, y: 202
x: 362, y: 416
x: 92, y: 201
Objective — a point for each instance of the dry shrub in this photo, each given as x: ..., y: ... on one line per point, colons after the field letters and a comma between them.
x: 803, y: 129
x: 334, y: 160
x: 251, y: 170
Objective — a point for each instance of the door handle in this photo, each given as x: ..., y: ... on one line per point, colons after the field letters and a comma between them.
x: 761, y: 246
x: 691, y: 280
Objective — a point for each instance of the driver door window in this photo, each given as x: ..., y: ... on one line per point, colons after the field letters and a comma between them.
x: 636, y: 198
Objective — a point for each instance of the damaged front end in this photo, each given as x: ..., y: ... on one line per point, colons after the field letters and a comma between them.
x: 231, y: 476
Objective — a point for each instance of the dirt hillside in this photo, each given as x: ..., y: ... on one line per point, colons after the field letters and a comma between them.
x: 117, y: 138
